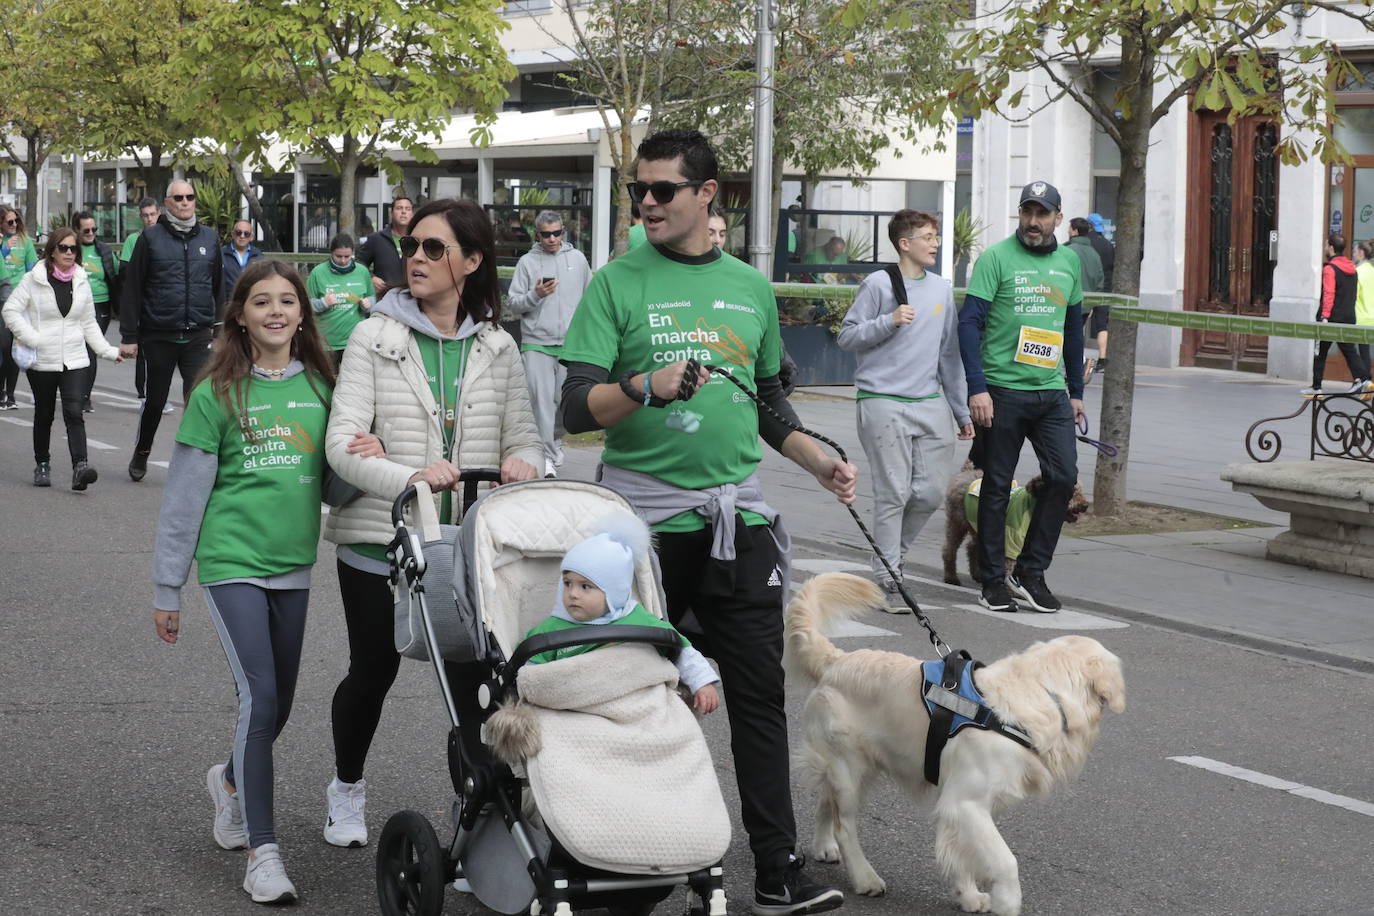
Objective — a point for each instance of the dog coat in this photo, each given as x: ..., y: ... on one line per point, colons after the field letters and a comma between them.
x: 954, y: 703
x: 1020, y: 507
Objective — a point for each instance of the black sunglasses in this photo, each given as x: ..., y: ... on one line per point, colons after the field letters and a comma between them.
x: 67, y: 249
x: 663, y: 191
x: 11, y: 221
x: 243, y: 234
x: 550, y: 233
x: 181, y: 197
x: 434, y: 248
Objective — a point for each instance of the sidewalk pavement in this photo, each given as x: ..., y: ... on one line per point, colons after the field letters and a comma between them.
x: 1188, y: 424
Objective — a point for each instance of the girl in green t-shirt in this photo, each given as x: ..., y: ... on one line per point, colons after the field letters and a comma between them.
x: 340, y: 293
x: 243, y: 494
x: 17, y: 256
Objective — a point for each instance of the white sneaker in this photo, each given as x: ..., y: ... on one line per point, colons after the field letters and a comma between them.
x: 1311, y: 392
x: 265, y: 880
x: 230, y: 831
x: 345, y: 824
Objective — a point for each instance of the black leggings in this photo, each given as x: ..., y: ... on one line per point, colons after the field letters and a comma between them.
x: 372, y: 665
x: 46, y: 386
x: 102, y: 318
x: 9, y: 369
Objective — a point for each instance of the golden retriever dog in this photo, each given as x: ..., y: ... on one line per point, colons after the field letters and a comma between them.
x: 957, y: 526
x: 864, y: 717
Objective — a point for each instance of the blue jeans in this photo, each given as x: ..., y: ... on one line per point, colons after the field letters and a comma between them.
x: 1046, y: 419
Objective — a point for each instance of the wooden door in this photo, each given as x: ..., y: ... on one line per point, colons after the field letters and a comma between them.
x: 1232, y: 208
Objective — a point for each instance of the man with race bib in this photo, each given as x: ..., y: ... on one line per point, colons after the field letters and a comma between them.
x: 1020, y: 324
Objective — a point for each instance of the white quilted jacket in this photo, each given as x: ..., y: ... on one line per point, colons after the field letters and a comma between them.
x: 382, y: 389
x: 60, y: 341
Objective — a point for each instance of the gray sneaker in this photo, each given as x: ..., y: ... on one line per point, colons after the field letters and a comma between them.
x: 893, y: 603
x: 230, y: 830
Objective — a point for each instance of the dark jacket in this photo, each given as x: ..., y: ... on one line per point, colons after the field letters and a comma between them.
x: 1106, y: 253
x: 229, y: 263
x: 1339, y: 286
x: 172, y: 284
x: 378, y: 254
x: 109, y: 262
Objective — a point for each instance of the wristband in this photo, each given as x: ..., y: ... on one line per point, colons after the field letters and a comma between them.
x: 647, y: 399
x: 648, y: 388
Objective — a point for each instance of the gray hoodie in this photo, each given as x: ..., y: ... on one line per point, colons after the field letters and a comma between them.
x: 912, y: 361
x: 402, y: 306
x: 545, y: 321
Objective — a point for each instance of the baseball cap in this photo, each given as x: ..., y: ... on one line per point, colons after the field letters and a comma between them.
x: 1041, y: 192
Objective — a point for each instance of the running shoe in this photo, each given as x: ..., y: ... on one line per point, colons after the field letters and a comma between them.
x: 83, y: 475
x: 893, y: 602
x: 230, y: 830
x: 138, y: 466
x: 265, y: 878
x: 779, y: 893
x: 1032, y: 587
x: 345, y: 824
x: 995, y: 597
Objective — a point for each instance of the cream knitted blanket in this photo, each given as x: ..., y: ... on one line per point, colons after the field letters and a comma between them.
x: 623, y: 779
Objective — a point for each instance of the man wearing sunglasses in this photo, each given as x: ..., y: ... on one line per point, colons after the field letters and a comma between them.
x: 169, y: 306
x: 236, y: 254
x: 682, y: 446
x: 102, y: 269
x: 380, y: 252
x: 549, y: 280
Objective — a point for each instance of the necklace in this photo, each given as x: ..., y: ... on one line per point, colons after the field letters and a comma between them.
x: 270, y: 373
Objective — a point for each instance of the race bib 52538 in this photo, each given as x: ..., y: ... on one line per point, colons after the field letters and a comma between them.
x: 1038, y: 347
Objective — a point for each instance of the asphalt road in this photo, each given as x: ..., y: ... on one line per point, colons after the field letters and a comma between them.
x: 106, y: 733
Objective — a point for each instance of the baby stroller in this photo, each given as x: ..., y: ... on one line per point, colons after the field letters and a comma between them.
x: 524, y: 841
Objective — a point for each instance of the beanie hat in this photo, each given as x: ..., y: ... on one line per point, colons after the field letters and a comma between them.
x: 1095, y: 220
x: 608, y: 559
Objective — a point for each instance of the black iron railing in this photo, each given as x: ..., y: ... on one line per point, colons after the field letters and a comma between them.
x: 1341, y: 426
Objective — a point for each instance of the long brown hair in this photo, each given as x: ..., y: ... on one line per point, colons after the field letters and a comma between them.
x: 481, y: 295
x: 231, y: 359
x: 19, y: 232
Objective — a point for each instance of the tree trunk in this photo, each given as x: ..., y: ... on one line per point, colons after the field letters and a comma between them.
x: 1118, y: 388
x: 348, y: 183
x: 622, y: 160
x: 155, y: 175
x: 269, y: 234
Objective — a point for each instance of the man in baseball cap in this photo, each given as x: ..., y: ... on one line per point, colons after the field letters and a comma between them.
x: 1020, y: 325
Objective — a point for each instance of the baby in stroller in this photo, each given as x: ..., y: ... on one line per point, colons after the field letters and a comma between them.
x: 597, y: 576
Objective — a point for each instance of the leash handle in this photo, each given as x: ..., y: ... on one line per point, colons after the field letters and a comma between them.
x: 1107, y: 449
x: 935, y: 640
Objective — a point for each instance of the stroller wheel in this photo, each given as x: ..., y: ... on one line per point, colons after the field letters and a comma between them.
x: 410, y: 867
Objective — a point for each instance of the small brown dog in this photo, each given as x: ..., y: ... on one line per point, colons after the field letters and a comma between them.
x: 957, y: 527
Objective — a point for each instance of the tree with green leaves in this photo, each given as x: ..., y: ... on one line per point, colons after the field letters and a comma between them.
x: 1239, y: 57
x: 124, y: 84
x: 345, y: 79
x: 30, y: 113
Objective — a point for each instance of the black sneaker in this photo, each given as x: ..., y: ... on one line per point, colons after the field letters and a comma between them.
x: 83, y: 475
x: 789, y: 891
x: 87, y: 406
x: 138, y: 466
x: 1032, y: 587
x: 1100, y: 365
x: 996, y: 597
x: 42, y: 474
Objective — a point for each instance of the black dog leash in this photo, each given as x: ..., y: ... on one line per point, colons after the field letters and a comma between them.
x: 689, y: 387
x: 1105, y: 448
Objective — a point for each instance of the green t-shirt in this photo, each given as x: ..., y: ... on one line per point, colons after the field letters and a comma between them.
x: 1020, y: 507
x: 644, y: 311
x: 638, y: 617
x: 636, y: 237
x: 95, y: 272
x: 126, y: 254
x: 17, y: 258
x: 263, y: 518
x: 444, y: 362
x: 1030, y: 295
x: 349, y: 290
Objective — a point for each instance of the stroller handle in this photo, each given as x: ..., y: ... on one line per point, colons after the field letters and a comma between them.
x: 659, y: 637
x: 469, y: 477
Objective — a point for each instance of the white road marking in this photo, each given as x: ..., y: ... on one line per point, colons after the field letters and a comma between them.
x: 116, y: 398
x: 852, y: 629
x: 1059, y: 620
x: 825, y: 566
x: 1283, y: 785
x: 93, y: 443
x: 161, y: 464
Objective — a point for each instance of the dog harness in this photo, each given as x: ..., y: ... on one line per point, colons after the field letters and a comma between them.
x: 954, y: 704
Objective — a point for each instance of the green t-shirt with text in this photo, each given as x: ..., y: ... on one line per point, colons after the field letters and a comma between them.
x: 263, y: 517
x: 349, y: 290
x: 644, y: 311
x: 1030, y: 295
x: 444, y: 362
x: 17, y: 258
x: 95, y: 272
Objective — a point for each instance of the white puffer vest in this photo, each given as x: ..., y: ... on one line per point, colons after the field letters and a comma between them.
x: 382, y: 389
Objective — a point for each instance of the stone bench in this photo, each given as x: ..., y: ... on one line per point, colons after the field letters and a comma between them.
x: 1331, y: 510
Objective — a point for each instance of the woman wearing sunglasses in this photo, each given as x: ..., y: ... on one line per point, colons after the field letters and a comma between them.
x: 432, y: 373
x: 52, y: 312
x: 17, y: 256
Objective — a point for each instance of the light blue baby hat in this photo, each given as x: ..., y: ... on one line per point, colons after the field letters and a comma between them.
x: 608, y: 558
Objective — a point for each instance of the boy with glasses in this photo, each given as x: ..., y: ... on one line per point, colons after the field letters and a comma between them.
x: 102, y: 270
x: 236, y: 254
x: 169, y: 307
x: 910, y: 390
x: 549, y: 281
